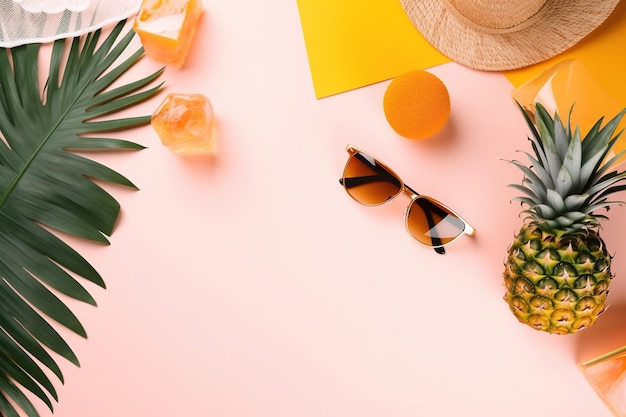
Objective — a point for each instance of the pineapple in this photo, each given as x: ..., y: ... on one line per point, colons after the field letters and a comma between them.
x: 558, y: 269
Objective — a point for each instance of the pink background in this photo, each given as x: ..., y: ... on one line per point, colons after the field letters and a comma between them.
x: 248, y: 284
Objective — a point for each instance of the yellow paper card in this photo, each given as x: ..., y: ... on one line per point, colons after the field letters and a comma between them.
x: 354, y: 43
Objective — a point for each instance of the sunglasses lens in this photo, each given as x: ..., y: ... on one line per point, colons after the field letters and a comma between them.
x: 432, y: 223
x: 368, y: 182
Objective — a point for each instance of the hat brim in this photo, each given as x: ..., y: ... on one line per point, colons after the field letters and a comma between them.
x: 562, y: 24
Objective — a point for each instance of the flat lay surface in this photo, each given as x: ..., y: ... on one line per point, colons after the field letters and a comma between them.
x: 247, y: 283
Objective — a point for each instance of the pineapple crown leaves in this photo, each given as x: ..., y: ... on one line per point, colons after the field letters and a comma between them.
x: 43, y: 182
x: 568, y: 178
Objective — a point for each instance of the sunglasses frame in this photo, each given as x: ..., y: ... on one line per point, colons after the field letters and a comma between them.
x: 411, y: 193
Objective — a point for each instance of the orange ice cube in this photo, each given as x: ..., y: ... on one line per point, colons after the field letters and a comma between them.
x: 167, y: 27
x: 185, y: 123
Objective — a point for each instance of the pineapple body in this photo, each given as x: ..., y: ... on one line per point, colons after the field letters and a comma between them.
x: 558, y: 284
x: 558, y: 270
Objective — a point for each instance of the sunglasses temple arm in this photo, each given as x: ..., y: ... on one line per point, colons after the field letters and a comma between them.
x: 381, y: 175
x: 411, y: 190
x: 431, y: 224
x: 437, y: 246
x: 362, y: 180
x: 356, y: 181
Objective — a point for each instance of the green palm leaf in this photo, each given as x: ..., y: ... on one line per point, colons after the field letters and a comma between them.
x: 45, y: 185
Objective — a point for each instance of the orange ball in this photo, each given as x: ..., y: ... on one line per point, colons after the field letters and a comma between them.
x: 417, y: 104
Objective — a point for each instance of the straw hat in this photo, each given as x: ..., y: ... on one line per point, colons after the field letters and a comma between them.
x: 505, y: 34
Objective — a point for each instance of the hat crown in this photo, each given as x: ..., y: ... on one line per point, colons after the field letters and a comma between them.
x: 495, y: 14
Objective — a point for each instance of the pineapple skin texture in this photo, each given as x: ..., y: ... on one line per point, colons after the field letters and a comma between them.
x: 557, y: 284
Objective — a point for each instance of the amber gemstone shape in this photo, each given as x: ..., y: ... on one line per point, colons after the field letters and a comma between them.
x: 167, y: 28
x: 185, y: 123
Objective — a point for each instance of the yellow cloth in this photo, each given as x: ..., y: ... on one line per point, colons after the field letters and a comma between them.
x: 354, y: 43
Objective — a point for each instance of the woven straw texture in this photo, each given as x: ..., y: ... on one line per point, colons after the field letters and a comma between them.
x: 508, y: 34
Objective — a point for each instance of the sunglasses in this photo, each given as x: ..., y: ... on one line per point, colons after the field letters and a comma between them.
x: 371, y: 183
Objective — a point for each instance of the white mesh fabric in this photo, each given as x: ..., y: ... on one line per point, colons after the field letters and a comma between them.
x: 29, y: 21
